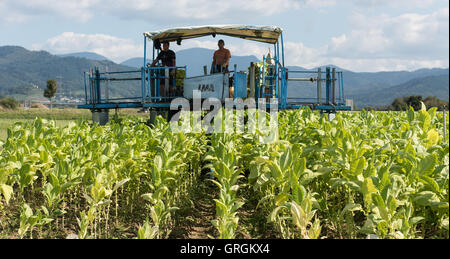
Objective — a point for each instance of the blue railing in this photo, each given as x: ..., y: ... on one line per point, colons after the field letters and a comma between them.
x: 151, y: 79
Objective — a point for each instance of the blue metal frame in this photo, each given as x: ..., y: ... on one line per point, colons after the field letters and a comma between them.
x: 151, y: 79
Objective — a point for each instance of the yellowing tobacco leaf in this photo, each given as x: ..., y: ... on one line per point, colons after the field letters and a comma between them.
x: 432, y: 138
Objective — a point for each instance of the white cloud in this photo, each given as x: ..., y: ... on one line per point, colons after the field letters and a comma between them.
x: 176, y: 11
x: 297, y: 54
x: 403, y: 4
x: 147, y: 10
x: 183, y: 11
x: 368, y: 4
x: 375, y: 42
x: 319, y: 3
x: 378, y: 43
x: 370, y: 57
x: 79, y: 10
x: 114, y: 48
x: 10, y: 15
x: 415, y: 36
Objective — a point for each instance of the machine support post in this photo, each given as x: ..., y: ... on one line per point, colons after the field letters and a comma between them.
x: 97, y: 86
x: 166, y: 82
x: 107, y: 85
x: 101, y: 116
x: 276, y: 73
x: 333, y: 82
x: 153, y: 115
x: 91, y: 86
x: 328, y: 86
x: 143, y: 83
x: 85, y: 88
x: 145, y: 50
x: 282, y: 49
x: 319, y: 86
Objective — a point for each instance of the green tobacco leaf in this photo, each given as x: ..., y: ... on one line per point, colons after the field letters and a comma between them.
x: 7, y: 192
x: 423, y: 107
x: 378, y: 200
x: 351, y: 207
x: 274, y: 214
x: 367, y: 189
x: 275, y: 170
x: 13, y: 165
x: 427, y: 164
x: 426, y: 198
x: 444, y: 224
x: 298, y: 193
x: 368, y: 228
x: 120, y: 183
x: 431, y: 183
x: 411, y: 114
x: 425, y: 120
x: 357, y: 166
x: 415, y: 220
x: 148, y: 197
x: 27, y: 210
x: 286, y: 160
x: 432, y: 138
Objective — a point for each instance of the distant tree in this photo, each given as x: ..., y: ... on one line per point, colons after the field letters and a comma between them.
x: 432, y: 101
x: 399, y: 104
x: 50, y: 91
x: 9, y: 103
x: 414, y: 101
x: 403, y: 104
x: 369, y: 108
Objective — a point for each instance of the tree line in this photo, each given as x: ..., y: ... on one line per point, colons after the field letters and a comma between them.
x: 403, y: 104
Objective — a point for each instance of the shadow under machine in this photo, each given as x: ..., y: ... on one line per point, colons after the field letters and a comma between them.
x: 156, y: 87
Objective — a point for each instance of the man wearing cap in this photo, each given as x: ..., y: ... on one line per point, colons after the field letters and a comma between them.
x: 168, y: 59
x: 167, y: 56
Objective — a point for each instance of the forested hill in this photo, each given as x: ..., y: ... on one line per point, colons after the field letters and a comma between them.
x: 21, y: 71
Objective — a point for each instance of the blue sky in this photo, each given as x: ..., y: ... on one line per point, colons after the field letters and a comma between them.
x: 360, y: 35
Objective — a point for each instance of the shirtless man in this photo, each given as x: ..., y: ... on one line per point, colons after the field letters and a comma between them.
x: 221, y: 58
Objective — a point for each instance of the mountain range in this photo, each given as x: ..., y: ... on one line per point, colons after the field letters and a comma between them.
x: 24, y: 73
x: 424, y: 86
x: 87, y: 55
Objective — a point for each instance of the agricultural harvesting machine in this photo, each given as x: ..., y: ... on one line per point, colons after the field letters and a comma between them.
x: 269, y: 81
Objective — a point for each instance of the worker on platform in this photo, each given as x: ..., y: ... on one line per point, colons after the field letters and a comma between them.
x: 167, y: 56
x: 221, y: 59
x: 168, y: 59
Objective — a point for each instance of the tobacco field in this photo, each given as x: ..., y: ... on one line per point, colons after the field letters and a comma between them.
x: 360, y: 174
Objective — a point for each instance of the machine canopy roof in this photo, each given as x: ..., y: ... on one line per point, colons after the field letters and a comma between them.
x: 267, y: 34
